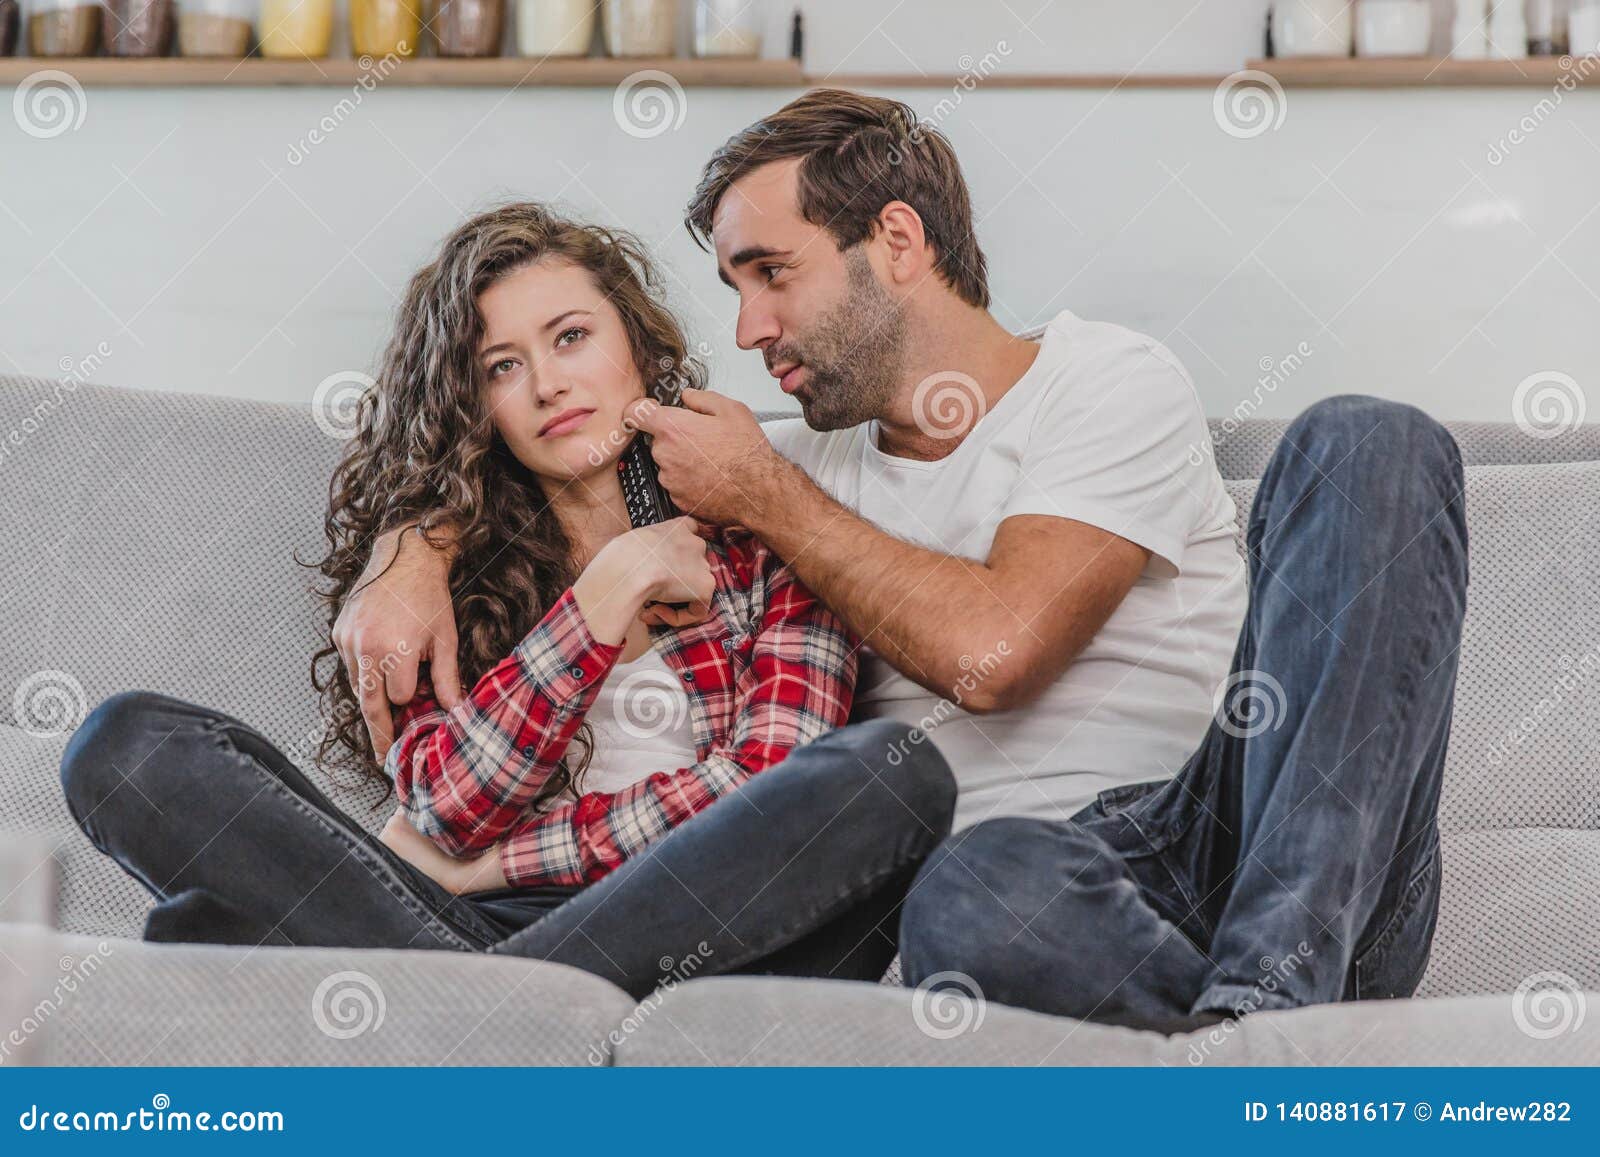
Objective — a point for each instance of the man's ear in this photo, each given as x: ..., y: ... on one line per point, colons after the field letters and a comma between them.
x: 906, y: 242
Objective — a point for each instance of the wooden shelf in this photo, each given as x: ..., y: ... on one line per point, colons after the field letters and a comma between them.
x: 515, y: 71
x: 496, y: 72
x: 1018, y: 80
x: 605, y: 72
x: 1428, y: 72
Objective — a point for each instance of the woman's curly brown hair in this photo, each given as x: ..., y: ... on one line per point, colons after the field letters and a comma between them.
x: 426, y: 451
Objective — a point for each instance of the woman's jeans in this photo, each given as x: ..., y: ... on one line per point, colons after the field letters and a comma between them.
x: 1294, y: 859
x: 802, y: 871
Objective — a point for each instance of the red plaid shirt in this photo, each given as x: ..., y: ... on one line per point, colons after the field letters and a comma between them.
x: 769, y: 671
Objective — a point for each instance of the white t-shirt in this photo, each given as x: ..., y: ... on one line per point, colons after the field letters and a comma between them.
x: 1104, y: 428
x: 641, y: 725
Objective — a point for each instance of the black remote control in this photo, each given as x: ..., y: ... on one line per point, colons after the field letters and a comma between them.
x: 647, y: 502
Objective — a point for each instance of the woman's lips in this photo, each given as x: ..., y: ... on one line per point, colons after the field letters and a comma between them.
x: 565, y: 424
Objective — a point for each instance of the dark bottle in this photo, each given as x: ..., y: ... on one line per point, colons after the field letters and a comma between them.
x: 10, y: 21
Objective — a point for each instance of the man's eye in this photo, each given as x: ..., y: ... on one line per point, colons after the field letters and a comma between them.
x: 770, y: 271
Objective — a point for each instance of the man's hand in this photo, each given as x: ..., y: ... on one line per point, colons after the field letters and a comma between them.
x: 398, y: 617
x: 475, y: 874
x: 712, y: 455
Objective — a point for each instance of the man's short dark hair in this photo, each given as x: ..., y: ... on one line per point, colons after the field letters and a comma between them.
x: 858, y: 154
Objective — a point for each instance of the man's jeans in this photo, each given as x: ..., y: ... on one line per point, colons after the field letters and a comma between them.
x: 1295, y: 858
x: 801, y: 871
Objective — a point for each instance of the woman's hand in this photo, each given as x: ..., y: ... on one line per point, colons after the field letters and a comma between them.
x: 661, y: 564
x: 458, y: 877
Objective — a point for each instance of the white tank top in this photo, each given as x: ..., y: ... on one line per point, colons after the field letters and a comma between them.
x: 641, y: 725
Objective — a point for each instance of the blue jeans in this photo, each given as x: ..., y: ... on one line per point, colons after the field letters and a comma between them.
x: 800, y: 872
x: 1294, y: 859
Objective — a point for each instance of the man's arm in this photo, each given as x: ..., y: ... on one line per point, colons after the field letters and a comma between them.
x: 1048, y: 585
x: 398, y: 617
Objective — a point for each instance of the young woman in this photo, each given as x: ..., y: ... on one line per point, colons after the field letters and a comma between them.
x: 623, y: 681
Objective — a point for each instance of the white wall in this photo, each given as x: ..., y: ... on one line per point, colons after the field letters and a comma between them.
x: 1371, y: 226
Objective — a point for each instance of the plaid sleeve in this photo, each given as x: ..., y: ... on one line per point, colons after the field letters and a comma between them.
x: 799, y: 686
x: 464, y: 777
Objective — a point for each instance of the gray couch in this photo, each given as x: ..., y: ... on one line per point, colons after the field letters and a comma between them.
x: 151, y: 545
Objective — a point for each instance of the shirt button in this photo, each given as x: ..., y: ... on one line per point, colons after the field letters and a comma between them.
x: 530, y: 751
x: 688, y: 676
x: 727, y: 644
x: 575, y: 671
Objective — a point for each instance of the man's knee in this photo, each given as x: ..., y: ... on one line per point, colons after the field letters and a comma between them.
x: 975, y: 906
x: 1351, y: 430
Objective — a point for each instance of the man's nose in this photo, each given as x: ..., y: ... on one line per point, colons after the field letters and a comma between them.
x: 757, y: 326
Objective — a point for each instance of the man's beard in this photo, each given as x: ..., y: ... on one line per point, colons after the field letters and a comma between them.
x: 853, y: 354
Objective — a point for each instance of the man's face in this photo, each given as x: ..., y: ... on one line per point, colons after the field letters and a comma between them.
x: 830, y: 332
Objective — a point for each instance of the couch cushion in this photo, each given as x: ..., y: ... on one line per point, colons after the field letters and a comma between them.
x: 134, y: 1003
x: 151, y: 544
x: 768, y: 1021
x: 1516, y: 903
x: 749, y: 1020
x: 1525, y: 738
x: 1531, y: 1028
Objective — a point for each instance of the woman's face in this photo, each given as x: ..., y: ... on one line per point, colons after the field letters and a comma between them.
x: 559, y: 370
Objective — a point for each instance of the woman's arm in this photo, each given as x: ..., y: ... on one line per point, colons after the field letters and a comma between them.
x: 465, y: 776
x: 799, y: 686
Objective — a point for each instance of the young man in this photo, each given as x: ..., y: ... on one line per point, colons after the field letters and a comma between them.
x: 1034, y: 546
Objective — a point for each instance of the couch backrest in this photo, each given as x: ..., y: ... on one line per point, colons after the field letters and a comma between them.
x: 1243, y: 447
x: 152, y: 543
x: 1525, y: 734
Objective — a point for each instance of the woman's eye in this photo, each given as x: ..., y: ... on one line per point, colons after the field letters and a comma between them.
x: 503, y: 366
x: 574, y: 333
